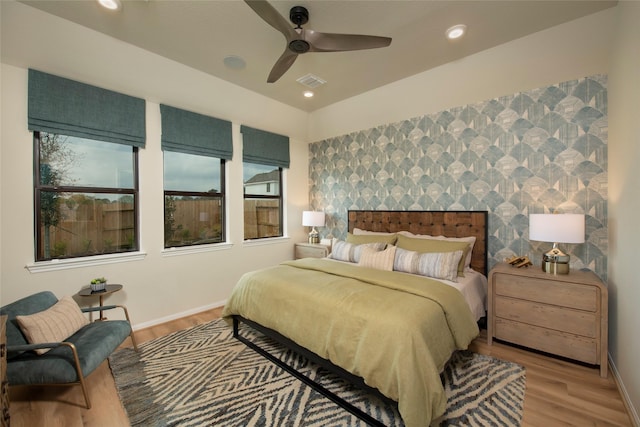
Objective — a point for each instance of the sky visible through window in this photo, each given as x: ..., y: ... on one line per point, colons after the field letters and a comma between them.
x: 91, y: 163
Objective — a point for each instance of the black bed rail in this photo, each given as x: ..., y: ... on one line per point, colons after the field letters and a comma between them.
x: 324, y: 363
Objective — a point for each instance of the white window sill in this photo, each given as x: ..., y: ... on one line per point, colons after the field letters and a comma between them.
x: 265, y: 241
x: 196, y: 249
x: 63, y: 264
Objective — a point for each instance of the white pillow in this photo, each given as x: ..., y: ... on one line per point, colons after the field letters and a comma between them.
x: 470, y: 239
x: 380, y: 260
x: 54, y: 324
x: 349, y: 252
x: 439, y: 265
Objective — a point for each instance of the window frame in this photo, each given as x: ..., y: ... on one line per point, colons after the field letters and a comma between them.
x: 38, y: 188
x: 279, y: 197
x: 221, y: 194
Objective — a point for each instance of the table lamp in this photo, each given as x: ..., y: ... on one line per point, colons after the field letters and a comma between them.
x: 313, y: 219
x: 556, y: 228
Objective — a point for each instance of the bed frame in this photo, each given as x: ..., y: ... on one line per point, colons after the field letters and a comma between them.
x: 435, y: 223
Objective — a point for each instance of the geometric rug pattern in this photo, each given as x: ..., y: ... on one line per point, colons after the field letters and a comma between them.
x: 538, y: 151
x: 203, y: 376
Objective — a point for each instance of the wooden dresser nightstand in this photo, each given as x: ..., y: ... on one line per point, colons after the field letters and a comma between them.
x: 310, y: 250
x: 565, y: 315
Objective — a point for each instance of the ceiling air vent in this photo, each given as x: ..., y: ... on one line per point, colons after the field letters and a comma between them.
x: 311, y: 81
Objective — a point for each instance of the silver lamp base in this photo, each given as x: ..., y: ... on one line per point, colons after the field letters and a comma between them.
x: 314, y: 236
x: 555, y: 261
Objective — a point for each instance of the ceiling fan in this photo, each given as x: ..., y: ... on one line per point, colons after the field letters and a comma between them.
x: 300, y: 40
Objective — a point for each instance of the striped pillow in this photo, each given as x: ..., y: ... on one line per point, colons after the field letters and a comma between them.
x: 438, y: 265
x: 349, y: 252
x: 380, y: 260
x: 54, y: 324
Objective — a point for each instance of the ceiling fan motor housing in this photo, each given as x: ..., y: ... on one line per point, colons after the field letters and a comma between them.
x: 299, y: 15
x: 299, y: 46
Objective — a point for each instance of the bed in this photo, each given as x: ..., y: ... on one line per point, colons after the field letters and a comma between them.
x: 390, y: 331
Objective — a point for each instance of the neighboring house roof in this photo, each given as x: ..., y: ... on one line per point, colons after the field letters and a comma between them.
x: 264, y: 177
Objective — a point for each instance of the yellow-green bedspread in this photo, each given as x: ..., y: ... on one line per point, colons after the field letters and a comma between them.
x: 394, y: 330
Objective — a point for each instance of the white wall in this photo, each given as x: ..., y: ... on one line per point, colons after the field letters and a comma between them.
x: 624, y: 199
x: 577, y: 49
x: 159, y: 286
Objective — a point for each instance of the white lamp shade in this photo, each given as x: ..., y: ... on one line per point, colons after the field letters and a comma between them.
x: 312, y: 219
x: 557, y: 228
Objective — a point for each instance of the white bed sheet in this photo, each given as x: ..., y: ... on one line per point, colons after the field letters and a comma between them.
x: 473, y: 287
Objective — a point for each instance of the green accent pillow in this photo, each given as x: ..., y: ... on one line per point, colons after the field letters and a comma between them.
x: 438, y: 246
x: 361, y: 239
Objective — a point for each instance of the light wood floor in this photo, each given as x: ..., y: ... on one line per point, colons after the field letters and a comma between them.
x: 558, y: 392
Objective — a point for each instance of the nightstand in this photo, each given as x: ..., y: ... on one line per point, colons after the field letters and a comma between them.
x: 565, y: 314
x: 109, y: 289
x: 310, y: 250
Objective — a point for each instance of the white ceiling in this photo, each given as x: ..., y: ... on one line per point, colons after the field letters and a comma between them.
x: 201, y: 33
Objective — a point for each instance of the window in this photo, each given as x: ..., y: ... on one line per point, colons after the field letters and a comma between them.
x: 193, y: 199
x: 86, y: 197
x: 264, y: 155
x: 262, y: 201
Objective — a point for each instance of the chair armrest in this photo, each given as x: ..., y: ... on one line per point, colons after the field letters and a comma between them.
x: 30, y: 347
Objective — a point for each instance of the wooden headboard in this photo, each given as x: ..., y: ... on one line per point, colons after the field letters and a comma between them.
x: 434, y: 223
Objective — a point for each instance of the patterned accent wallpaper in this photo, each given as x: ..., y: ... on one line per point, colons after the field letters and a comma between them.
x: 531, y: 152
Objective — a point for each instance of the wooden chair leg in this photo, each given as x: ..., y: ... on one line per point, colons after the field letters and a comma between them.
x: 133, y: 338
x: 79, y: 373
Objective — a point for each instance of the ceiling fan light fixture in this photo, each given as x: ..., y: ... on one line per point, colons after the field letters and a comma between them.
x: 111, y: 4
x: 456, y: 31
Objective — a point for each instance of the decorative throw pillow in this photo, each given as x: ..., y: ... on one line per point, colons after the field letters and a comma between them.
x: 434, y: 246
x: 361, y: 239
x: 360, y: 232
x: 438, y: 265
x: 54, y: 324
x: 470, y: 239
x: 349, y: 252
x: 380, y: 260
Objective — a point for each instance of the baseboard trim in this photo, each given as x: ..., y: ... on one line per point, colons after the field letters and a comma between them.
x: 631, y: 410
x: 175, y: 316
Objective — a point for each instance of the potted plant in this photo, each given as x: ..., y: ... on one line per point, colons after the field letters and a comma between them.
x: 98, y: 284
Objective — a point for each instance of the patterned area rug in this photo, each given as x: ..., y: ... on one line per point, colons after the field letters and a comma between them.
x: 203, y: 376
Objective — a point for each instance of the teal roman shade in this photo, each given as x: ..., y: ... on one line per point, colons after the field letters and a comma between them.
x: 264, y: 148
x: 62, y: 106
x: 193, y: 133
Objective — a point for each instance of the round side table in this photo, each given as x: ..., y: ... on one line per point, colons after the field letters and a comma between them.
x: 109, y: 289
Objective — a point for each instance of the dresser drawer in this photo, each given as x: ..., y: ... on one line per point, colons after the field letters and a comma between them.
x: 548, y: 291
x: 547, y: 316
x: 547, y: 340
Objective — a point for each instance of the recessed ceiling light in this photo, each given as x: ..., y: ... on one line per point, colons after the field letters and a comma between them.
x: 307, y: 94
x: 456, y: 31
x: 110, y: 4
x: 234, y: 62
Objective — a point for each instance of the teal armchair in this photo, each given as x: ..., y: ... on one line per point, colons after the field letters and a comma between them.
x: 68, y: 362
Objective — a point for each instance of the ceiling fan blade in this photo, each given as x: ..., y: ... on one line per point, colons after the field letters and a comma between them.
x: 281, y: 66
x: 328, y: 42
x: 271, y: 16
